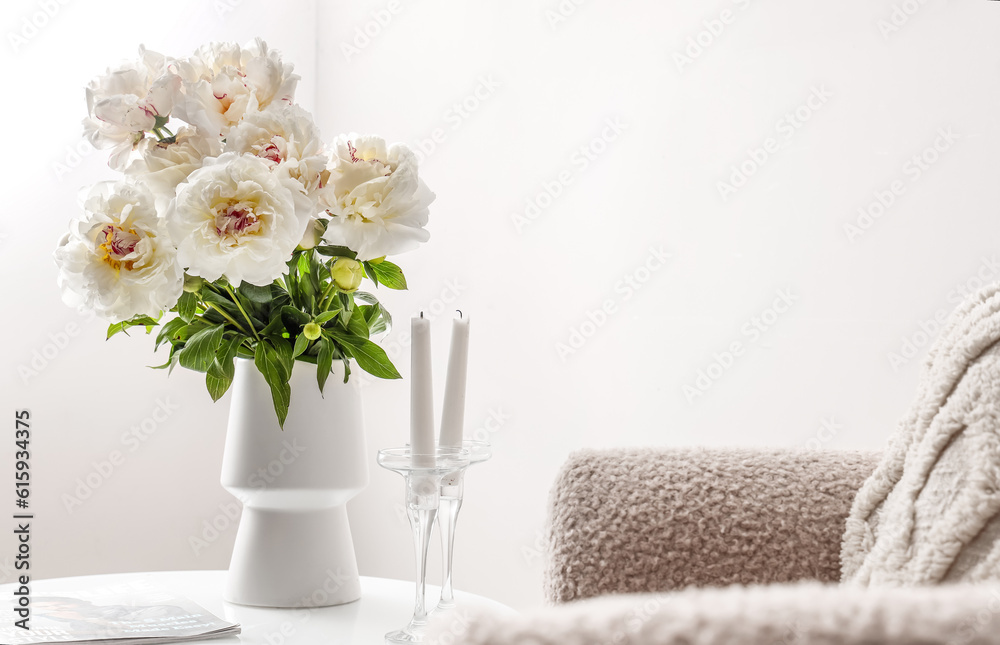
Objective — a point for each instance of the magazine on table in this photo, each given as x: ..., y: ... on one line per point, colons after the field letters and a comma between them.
x: 122, y: 614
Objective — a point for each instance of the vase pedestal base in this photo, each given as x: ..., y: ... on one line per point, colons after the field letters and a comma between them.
x: 293, y: 558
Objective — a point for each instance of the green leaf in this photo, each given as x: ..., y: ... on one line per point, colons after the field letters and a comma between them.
x: 365, y: 297
x: 187, y: 306
x: 383, y: 322
x: 370, y: 272
x: 324, y: 362
x: 275, y: 326
x: 279, y: 297
x: 199, y: 350
x: 380, y: 325
x: 369, y: 312
x: 389, y: 274
x: 137, y: 321
x: 291, y: 282
x: 308, y: 292
x: 325, y: 317
x: 216, y: 383
x: 357, y: 325
x: 284, y: 350
x: 316, y: 283
x: 249, y: 309
x: 293, y: 320
x: 370, y: 357
x: 317, y: 265
x: 269, y: 363
x: 114, y: 328
x: 224, y: 304
x: 175, y: 331
x: 220, y: 375
x: 171, y: 362
x: 303, y: 264
x: 261, y: 295
x: 336, y: 251
x: 230, y: 347
x: 297, y: 315
x: 377, y: 318
x: 301, y: 344
x: 211, y: 316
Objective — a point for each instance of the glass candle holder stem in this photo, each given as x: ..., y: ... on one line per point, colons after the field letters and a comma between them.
x: 421, y: 516
x: 452, y: 490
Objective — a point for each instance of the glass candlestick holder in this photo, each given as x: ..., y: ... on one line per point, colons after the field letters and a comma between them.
x: 449, y: 505
x: 422, y: 475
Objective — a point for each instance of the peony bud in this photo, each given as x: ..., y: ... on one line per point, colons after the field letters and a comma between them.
x: 347, y: 274
x: 311, y: 236
x: 192, y: 283
x: 311, y: 331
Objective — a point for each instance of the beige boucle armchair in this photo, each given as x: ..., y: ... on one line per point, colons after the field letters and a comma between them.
x: 632, y: 521
x: 720, y: 546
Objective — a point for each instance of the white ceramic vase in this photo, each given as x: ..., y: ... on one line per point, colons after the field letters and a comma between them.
x: 294, y: 545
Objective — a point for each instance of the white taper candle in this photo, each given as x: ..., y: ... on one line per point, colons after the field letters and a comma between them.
x: 453, y: 415
x: 421, y: 392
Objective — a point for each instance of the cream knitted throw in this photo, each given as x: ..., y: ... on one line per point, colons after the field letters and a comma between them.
x: 804, y: 613
x: 930, y: 512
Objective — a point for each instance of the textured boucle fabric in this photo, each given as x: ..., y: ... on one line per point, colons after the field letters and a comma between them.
x: 642, y: 520
x: 790, y: 614
x: 931, y: 510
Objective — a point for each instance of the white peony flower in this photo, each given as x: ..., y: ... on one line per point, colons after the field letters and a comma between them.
x: 124, y: 103
x: 234, y: 217
x: 115, y: 260
x: 286, y: 137
x: 376, y: 202
x: 223, y: 82
x: 162, y: 166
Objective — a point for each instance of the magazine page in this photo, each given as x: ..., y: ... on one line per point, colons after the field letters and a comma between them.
x: 119, y: 613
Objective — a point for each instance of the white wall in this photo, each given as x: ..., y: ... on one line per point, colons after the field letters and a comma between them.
x: 885, y: 96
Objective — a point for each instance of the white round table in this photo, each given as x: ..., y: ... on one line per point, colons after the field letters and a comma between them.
x: 385, y: 605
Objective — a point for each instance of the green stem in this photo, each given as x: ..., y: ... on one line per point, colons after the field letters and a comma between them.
x: 326, y: 294
x: 243, y: 311
x: 158, y: 132
x: 227, y: 317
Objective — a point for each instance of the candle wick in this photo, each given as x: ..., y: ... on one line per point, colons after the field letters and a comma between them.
x: 421, y: 314
x: 459, y: 313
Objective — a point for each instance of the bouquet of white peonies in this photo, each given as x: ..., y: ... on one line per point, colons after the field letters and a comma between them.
x: 233, y: 214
